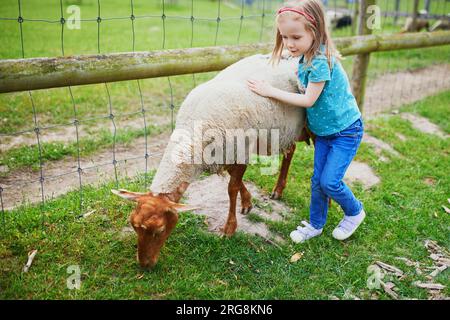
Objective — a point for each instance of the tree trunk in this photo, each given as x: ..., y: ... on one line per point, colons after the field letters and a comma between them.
x: 415, y: 14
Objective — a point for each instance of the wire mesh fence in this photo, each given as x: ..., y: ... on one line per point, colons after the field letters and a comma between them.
x: 57, y: 140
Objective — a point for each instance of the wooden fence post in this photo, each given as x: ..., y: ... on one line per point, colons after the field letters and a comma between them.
x: 361, y: 62
x: 397, y: 9
x: 427, y: 6
x: 415, y: 15
x: 355, y: 15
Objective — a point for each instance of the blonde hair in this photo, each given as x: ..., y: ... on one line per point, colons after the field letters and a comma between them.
x: 318, y: 28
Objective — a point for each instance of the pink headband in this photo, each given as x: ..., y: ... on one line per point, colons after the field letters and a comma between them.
x: 307, y: 16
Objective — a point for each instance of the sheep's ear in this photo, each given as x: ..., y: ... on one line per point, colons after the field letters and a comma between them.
x: 128, y: 195
x: 183, y: 207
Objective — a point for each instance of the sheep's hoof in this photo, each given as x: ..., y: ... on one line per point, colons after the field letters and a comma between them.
x: 228, y: 230
x: 246, y: 210
x: 275, y: 195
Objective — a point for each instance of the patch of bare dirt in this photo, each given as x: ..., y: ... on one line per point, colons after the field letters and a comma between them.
x: 379, y: 146
x: 211, y: 194
x: 62, y: 176
x: 392, y: 90
x: 69, y: 133
x: 362, y: 173
x: 429, y: 181
x: 424, y: 125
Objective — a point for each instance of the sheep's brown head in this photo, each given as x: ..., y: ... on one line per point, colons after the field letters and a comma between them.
x: 153, y: 219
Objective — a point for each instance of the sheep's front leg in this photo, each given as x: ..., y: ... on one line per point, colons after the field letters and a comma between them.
x: 234, y: 186
x: 281, y: 183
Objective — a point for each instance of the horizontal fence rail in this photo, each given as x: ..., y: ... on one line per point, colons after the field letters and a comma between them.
x: 421, y: 16
x: 43, y: 73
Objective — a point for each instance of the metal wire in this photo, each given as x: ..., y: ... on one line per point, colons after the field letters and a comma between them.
x: 246, y: 11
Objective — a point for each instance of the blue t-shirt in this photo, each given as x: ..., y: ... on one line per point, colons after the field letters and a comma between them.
x: 336, y: 107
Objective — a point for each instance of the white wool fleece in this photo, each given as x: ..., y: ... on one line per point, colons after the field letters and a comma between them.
x: 223, y: 103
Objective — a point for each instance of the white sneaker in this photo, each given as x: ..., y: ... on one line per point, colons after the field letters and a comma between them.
x: 302, y: 234
x: 348, y: 226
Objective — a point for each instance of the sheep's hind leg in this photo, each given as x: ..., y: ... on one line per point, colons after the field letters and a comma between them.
x: 246, y: 200
x: 281, y: 183
x: 234, y: 186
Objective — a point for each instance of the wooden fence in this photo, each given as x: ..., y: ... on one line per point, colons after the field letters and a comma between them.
x: 42, y: 73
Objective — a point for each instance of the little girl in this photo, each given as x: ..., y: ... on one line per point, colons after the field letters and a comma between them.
x: 331, y: 109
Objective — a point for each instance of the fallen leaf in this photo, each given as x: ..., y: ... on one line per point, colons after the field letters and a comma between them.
x: 222, y: 282
x: 389, y: 268
x: 390, y: 285
x: 387, y: 287
x: 444, y: 262
x: 435, y: 256
x: 429, y: 285
x: 87, y: 214
x: 296, y: 257
x: 433, y: 247
x: 437, y: 295
x: 31, y: 256
x: 438, y: 270
x: 140, y: 276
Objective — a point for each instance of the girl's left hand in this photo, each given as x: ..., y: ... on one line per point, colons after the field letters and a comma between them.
x: 260, y: 87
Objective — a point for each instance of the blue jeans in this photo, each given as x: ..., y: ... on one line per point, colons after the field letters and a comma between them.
x: 332, y: 156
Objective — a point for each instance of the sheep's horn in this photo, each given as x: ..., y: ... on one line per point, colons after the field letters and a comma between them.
x: 139, y: 193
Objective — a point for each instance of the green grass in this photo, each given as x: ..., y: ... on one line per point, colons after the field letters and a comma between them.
x: 403, y: 211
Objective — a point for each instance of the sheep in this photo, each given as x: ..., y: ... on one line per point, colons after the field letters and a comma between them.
x: 343, y: 22
x: 338, y: 19
x: 221, y: 104
x: 418, y: 26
